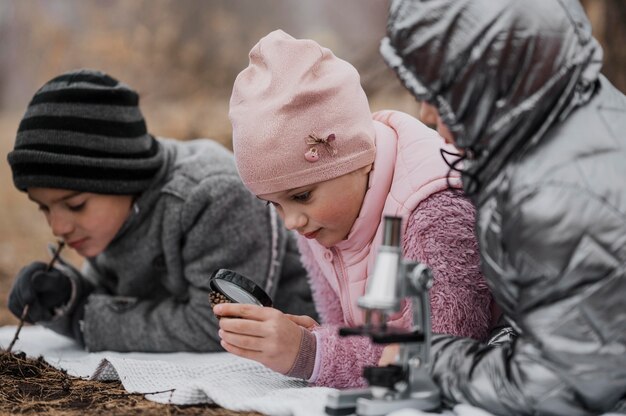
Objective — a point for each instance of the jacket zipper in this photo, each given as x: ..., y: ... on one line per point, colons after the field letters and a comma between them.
x: 343, y: 293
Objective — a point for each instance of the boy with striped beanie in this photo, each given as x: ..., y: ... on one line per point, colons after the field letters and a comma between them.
x: 152, y: 217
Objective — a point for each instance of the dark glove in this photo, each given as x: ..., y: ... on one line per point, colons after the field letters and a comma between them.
x: 57, y: 297
x: 43, y: 290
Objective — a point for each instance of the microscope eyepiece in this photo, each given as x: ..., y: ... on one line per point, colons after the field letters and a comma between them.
x: 392, y: 231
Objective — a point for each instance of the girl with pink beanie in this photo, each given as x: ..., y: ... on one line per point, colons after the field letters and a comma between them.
x: 305, y: 141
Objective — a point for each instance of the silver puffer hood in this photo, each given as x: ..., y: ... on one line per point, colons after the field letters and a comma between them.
x: 499, y: 79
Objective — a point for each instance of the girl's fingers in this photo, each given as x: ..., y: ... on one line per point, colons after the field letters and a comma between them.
x: 389, y: 355
x: 252, y: 355
x: 241, y: 342
x: 240, y: 310
x: 243, y: 327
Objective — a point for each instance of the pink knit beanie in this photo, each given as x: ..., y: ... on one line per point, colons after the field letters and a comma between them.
x: 299, y: 116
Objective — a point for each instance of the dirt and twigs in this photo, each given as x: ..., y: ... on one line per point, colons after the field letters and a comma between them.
x: 32, y: 386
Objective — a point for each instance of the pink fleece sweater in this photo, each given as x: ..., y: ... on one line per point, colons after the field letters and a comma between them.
x: 440, y: 233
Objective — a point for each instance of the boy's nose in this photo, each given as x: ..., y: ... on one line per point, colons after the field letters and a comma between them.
x: 60, y: 225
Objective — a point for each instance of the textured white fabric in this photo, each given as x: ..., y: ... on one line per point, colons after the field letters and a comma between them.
x: 229, y: 381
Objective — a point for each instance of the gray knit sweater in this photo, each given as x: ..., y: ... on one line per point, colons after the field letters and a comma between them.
x: 152, y: 280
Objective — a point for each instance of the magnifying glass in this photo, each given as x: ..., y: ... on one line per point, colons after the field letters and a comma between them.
x: 228, y: 286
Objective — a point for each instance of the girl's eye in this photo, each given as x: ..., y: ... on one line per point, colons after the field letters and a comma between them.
x: 43, y: 208
x: 77, y: 207
x: 303, y: 197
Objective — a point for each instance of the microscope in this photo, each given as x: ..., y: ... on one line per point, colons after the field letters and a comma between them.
x: 406, y: 383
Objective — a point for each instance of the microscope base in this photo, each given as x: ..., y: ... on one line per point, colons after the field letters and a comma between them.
x: 361, y: 402
x: 343, y: 402
x: 380, y: 407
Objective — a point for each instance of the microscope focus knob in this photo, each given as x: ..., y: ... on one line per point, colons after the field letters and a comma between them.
x: 421, y: 276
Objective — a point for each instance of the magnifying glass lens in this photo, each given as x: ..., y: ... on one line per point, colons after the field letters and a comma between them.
x: 236, y: 293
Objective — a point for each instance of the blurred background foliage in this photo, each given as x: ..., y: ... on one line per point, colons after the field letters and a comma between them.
x: 182, y: 57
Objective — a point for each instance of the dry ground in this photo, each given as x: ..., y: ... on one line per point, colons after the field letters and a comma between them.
x: 30, y: 386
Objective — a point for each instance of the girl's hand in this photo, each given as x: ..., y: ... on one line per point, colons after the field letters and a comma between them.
x: 390, y: 355
x: 262, y: 334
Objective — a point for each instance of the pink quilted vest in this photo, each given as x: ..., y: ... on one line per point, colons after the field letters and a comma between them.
x: 408, y: 168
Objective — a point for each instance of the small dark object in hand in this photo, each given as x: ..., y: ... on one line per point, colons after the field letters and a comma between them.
x: 216, y: 298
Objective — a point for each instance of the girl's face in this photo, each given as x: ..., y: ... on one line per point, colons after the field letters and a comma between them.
x: 430, y: 116
x: 324, y: 211
x: 86, y: 222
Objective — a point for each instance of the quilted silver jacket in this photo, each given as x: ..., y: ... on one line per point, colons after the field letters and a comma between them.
x: 544, y: 134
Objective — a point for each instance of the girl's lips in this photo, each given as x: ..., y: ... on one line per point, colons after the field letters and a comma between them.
x: 311, y: 235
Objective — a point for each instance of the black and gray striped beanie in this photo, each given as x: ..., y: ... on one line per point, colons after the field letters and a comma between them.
x: 83, y: 131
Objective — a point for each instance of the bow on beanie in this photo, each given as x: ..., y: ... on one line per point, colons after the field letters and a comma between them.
x: 83, y: 131
x: 299, y: 116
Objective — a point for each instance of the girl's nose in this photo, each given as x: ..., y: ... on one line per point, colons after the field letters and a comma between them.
x: 60, y: 224
x: 294, y: 220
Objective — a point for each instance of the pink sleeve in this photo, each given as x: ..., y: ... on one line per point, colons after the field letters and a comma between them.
x: 440, y: 232
x: 341, y: 360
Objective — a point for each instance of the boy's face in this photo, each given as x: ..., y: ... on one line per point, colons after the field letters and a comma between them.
x: 86, y: 222
x: 324, y: 211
